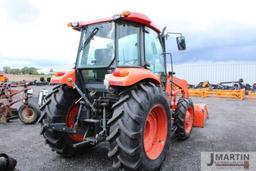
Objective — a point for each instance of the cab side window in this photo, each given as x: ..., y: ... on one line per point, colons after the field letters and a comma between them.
x: 153, y: 51
x: 128, y: 45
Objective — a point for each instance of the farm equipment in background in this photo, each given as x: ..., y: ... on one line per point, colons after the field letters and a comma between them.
x: 27, y: 112
x: 237, y: 94
x: 42, y: 81
x: 3, y: 78
x: 230, y: 85
x: 120, y: 91
x: 252, y: 92
x: 254, y: 87
x: 232, y: 89
x: 233, y: 85
x: 204, y: 84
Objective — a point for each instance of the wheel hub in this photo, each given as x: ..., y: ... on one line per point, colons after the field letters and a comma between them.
x: 28, y: 114
x: 155, y: 132
x: 71, y: 118
x: 188, y: 121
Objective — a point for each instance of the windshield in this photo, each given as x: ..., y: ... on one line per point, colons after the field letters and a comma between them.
x: 96, y: 47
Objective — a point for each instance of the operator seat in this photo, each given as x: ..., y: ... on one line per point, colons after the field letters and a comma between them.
x: 103, y: 58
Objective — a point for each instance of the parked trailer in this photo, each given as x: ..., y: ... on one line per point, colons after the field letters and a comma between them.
x: 27, y: 112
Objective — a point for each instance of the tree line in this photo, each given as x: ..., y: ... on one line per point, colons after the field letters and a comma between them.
x: 24, y: 70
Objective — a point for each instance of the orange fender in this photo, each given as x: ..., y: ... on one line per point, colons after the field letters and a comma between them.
x: 131, y: 76
x: 67, y: 78
x: 200, y: 115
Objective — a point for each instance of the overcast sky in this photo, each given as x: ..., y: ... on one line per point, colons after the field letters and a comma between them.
x: 34, y: 32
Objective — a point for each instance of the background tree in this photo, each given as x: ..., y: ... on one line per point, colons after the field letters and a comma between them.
x: 6, y: 69
x: 24, y: 70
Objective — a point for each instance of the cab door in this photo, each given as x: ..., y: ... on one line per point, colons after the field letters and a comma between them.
x: 154, y: 56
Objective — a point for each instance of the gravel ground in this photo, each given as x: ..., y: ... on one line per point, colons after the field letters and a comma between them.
x: 231, y: 127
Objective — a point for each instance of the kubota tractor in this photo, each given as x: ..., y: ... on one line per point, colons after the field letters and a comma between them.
x: 120, y: 91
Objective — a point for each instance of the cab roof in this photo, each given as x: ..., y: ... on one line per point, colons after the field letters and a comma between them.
x: 125, y: 16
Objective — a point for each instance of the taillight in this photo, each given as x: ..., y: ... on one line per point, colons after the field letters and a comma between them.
x: 58, y: 74
x: 120, y: 73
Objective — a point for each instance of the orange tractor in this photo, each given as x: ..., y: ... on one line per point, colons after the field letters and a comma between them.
x: 120, y: 91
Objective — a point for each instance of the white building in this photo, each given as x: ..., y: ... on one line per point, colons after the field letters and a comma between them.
x: 215, y: 73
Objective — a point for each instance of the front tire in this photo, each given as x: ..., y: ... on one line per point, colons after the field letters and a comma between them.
x: 184, y: 118
x: 140, y: 129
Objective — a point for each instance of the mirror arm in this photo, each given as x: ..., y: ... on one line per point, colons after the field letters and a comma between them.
x: 173, y: 33
x: 180, y: 40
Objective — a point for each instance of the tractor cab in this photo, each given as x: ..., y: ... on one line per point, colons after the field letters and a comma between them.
x: 127, y: 40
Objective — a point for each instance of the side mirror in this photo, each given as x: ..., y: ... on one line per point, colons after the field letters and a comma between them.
x: 181, y: 43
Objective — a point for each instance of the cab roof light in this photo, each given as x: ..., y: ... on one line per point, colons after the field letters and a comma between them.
x: 122, y: 14
x: 73, y: 24
x: 126, y: 13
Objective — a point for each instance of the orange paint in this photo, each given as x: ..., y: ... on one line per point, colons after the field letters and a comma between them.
x: 131, y: 76
x: 206, y: 92
x: 200, y: 115
x: 189, y: 120
x: 155, y: 132
x: 70, y: 121
x: 58, y: 74
x: 179, y: 88
x: 180, y: 85
x: 67, y: 78
x: 3, y: 78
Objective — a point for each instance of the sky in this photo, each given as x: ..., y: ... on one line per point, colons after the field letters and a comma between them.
x: 35, y: 33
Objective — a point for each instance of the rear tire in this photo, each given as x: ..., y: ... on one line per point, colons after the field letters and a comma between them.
x: 139, y: 113
x: 60, y: 108
x: 184, y: 118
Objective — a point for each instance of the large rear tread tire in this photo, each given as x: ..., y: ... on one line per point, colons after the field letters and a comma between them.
x: 179, y: 117
x: 62, y: 97
x: 127, y: 128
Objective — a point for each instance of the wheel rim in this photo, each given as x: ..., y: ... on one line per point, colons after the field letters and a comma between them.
x: 188, y: 120
x: 28, y: 114
x: 71, y: 118
x: 155, y: 132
